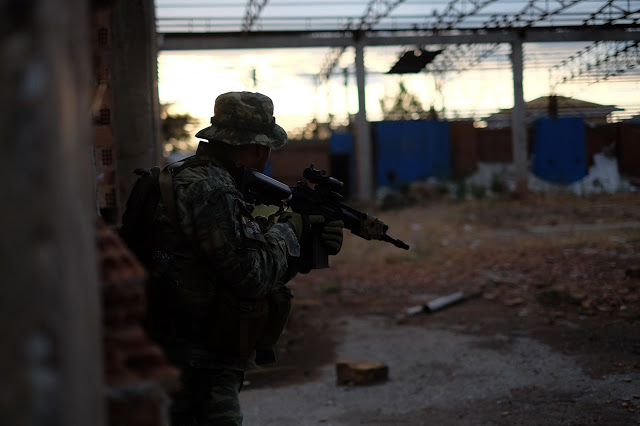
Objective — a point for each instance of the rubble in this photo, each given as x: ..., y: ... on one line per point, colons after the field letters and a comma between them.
x: 440, y: 303
x: 633, y: 272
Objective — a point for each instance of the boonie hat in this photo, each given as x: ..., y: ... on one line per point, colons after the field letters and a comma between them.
x: 243, y: 118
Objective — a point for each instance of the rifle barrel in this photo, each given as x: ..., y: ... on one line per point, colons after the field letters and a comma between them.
x: 398, y: 243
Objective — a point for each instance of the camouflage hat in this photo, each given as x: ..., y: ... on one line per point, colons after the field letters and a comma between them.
x: 243, y: 118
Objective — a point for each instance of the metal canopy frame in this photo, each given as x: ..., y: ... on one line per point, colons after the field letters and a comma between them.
x: 467, y: 30
x: 308, y: 39
x: 254, y: 7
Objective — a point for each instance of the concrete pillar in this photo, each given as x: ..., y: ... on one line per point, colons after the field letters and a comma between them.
x: 518, y: 120
x: 50, y: 362
x: 364, y: 156
x: 134, y: 78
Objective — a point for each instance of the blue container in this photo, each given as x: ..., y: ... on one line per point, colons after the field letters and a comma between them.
x: 343, y: 161
x: 559, y: 152
x: 411, y: 150
x: 341, y: 143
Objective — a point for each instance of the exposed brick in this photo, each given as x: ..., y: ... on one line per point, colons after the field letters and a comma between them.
x: 118, y: 265
x: 130, y: 356
x: 144, y: 404
x: 361, y: 373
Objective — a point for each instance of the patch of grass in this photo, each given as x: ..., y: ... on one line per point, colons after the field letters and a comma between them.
x: 498, y: 185
x: 461, y: 190
x: 332, y: 288
x: 394, y: 260
x: 478, y: 191
x: 443, y: 188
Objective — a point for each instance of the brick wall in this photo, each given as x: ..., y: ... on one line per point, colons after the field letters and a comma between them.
x: 463, y: 139
x: 629, y: 149
x: 494, y: 145
x: 104, y: 148
x: 598, y: 138
x: 137, y: 376
x: 288, y: 163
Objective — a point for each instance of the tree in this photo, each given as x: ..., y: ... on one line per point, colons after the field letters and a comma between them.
x: 405, y: 106
x: 176, y: 130
x: 316, y: 129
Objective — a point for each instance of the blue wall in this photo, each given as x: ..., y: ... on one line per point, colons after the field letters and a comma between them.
x: 343, y: 162
x: 559, y: 154
x: 341, y: 143
x: 412, y: 150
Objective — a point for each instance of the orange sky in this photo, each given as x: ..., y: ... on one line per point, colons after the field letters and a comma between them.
x: 192, y: 81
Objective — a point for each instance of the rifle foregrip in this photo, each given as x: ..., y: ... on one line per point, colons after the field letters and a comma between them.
x: 314, y: 252
x: 318, y: 255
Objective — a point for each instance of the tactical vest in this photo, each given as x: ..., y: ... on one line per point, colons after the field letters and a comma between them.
x: 186, y: 304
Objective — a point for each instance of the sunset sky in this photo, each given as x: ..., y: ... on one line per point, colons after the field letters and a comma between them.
x: 192, y: 80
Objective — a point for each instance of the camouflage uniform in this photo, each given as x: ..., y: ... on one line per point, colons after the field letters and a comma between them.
x: 212, y: 278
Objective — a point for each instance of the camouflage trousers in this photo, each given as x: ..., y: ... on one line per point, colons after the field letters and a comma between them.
x: 208, y: 397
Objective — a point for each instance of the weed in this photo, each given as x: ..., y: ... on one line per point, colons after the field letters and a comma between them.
x: 332, y: 288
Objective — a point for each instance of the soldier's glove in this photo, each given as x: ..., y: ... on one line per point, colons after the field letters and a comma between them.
x: 296, y: 221
x: 331, y: 233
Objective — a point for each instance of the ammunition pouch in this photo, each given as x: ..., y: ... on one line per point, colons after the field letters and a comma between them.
x: 236, y: 324
x: 279, y: 309
x: 213, y: 318
x: 159, y: 311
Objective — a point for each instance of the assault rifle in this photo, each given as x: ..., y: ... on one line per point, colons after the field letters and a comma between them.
x: 323, y: 199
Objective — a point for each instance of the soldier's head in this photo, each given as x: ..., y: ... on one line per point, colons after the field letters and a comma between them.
x: 244, y: 122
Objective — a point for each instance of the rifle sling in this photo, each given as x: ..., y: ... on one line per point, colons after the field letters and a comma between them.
x: 165, y: 180
x: 168, y: 196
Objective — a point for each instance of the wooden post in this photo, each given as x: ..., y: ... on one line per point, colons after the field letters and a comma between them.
x: 136, y: 108
x: 50, y: 363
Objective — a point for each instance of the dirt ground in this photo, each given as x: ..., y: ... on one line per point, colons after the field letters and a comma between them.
x: 560, y: 270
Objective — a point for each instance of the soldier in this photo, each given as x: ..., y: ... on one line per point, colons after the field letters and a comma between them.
x: 217, y: 289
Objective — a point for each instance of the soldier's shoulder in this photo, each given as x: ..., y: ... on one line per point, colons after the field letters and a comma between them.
x: 209, y: 176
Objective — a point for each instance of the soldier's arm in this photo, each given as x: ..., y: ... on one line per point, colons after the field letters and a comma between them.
x: 250, y: 261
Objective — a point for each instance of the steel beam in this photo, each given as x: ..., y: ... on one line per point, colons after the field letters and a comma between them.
x: 304, y: 39
x: 370, y: 18
x: 535, y: 11
x: 254, y: 7
x: 456, y: 12
x: 614, y: 11
x: 373, y: 15
x: 597, y: 62
x: 364, y: 157
x: 519, y: 120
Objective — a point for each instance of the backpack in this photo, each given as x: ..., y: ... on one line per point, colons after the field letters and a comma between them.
x: 153, y: 185
x: 137, y: 221
x: 242, y: 321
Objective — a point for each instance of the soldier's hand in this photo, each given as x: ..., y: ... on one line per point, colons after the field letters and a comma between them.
x: 295, y: 220
x: 331, y: 233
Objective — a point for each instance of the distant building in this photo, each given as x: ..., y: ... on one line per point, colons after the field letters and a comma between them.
x: 592, y: 113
